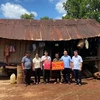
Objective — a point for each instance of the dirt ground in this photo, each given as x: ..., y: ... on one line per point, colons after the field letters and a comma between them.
x: 90, y: 90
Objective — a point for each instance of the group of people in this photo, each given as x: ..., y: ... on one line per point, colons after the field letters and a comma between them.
x: 37, y: 64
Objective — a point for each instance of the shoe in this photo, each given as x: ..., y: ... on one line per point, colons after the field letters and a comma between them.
x: 39, y: 82
x: 36, y: 83
x: 79, y: 84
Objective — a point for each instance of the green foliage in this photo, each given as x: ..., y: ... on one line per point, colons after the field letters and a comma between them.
x: 82, y: 9
x: 45, y: 18
x: 27, y: 16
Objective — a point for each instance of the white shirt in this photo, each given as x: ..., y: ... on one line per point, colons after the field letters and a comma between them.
x: 37, y: 62
x: 76, y: 62
x: 43, y: 58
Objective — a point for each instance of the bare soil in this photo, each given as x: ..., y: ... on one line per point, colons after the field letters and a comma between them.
x: 90, y: 90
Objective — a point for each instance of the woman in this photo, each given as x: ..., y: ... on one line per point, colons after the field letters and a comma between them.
x: 37, y: 68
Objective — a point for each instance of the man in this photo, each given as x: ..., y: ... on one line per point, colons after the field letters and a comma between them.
x: 26, y: 65
x: 46, y: 73
x: 77, y: 67
x: 67, y: 60
x: 57, y: 72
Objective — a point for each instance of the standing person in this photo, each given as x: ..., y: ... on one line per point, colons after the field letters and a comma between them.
x: 67, y: 60
x: 46, y: 73
x: 77, y: 67
x: 37, y: 68
x: 27, y: 65
x: 57, y: 72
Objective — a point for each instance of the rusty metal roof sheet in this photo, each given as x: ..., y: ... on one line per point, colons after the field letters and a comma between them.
x: 49, y: 30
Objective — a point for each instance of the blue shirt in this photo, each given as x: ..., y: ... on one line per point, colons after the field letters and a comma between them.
x: 27, y: 62
x: 66, y: 60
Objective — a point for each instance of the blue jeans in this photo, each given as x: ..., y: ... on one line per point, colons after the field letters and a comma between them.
x: 77, y: 74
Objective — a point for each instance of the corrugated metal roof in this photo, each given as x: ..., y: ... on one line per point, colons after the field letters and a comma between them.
x: 48, y: 30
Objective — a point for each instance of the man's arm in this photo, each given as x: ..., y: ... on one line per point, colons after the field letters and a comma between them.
x: 81, y: 66
x: 33, y: 61
x: 49, y: 58
x: 61, y: 58
x: 22, y: 65
x: 42, y: 59
x: 81, y: 61
x: 41, y: 65
x: 71, y: 63
x: 33, y: 67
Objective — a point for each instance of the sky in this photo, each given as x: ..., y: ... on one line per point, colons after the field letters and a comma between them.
x: 13, y: 9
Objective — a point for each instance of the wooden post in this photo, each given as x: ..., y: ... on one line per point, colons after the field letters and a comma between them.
x: 20, y: 75
x: 98, y: 54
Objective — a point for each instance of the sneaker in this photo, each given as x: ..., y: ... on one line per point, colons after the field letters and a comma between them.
x: 36, y: 83
x: 39, y: 83
x: 79, y: 84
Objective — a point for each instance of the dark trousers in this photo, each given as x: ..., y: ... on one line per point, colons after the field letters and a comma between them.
x: 37, y: 75
x: 27, y: 73
x: 46, y: 75
x: 57, y: 75
x: 66, y: 74
x: 77, y: 74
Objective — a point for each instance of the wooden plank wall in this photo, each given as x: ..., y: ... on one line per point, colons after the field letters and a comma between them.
x: 21, y: 47
x: 2, y: 43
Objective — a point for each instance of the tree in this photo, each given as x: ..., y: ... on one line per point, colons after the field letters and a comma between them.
x: 27, y: 16
x: 45, y: 18
x: 82, y: 9
x: 94, y: 9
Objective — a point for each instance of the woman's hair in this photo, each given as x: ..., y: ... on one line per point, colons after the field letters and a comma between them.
x: 45, y: 51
